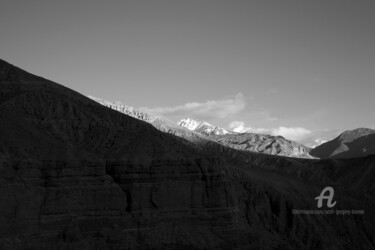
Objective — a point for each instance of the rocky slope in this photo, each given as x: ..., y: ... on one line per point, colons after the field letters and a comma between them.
x: 267, y: 144
x: 352, y: 143
x: 78, y: 175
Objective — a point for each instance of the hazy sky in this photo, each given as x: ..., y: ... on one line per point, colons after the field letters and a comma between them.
x: 297, y: 68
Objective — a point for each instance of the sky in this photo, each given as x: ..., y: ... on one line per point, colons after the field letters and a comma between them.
x: 301, y: 69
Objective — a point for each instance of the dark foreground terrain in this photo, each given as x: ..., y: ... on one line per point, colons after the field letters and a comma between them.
x: 77, y: 175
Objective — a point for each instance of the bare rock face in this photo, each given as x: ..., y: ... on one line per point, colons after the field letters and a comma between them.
x: 352, y: 143
x: 77, y: 175
x: 275, y: 145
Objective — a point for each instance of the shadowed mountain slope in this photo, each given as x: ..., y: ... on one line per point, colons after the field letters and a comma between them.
x: 77, y: 175
x: 352, y: 143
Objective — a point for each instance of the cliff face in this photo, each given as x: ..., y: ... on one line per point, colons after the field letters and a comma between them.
x: 77, y: 175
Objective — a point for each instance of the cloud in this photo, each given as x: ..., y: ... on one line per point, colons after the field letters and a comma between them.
x: 317, y: 142
x: 209, y: 109
x: 320, y: 136
x: 240, y: 127
x: 292, y: 133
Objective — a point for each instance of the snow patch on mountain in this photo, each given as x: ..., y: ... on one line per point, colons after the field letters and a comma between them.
x: 188, y: 123
x: 202, y: 127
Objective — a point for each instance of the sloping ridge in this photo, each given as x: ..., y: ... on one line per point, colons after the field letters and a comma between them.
x: 56, y: 122
x: 352, y: 143
x: 77, y: 175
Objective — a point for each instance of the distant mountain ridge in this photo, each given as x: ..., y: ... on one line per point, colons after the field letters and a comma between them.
x: 202, y: 127
x: 351, y: 143
x: 261, y: 143
x: 201, y: 133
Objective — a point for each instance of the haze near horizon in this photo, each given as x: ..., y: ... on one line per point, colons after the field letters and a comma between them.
x: 303, y: 69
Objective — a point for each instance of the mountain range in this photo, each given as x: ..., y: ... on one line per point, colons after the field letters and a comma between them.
x: 275, y: 145
x: 341, y: 147
x: 78, y: 175
x: 202, y: 127
x: 262, y: 143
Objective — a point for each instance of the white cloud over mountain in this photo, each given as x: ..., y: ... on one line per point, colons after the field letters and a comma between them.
x: 292, y: 133
x: 209, y: 109
x: 318, y: 142
x: 320, y: 136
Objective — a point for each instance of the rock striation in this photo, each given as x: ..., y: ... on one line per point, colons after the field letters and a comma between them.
x: 77, y: 175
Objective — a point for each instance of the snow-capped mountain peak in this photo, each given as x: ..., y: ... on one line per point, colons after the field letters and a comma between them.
x: 188, y: 123
x: 202, y: 127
